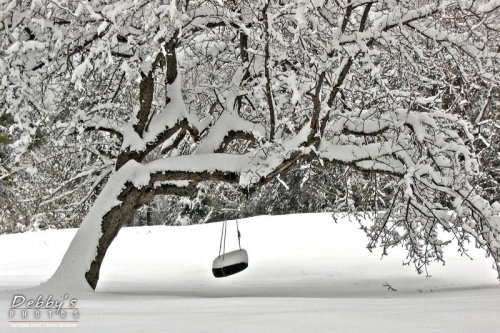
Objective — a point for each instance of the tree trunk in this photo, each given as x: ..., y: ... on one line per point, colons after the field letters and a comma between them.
x: 116, y: 203
x: 112, y: 222
x: 149, y: 213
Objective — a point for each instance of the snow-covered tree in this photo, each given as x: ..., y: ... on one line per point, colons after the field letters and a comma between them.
x: 487, y: 128
x: 6, y: 191
x: 162, y: 95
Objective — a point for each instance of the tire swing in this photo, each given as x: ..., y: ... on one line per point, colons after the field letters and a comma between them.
x: 232, y: 262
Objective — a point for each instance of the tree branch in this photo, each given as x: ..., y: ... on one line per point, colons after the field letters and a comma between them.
x: 231, y: 136
x: 267, y: 73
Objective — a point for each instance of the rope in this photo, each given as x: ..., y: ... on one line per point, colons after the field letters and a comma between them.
x: 239, y: 234
x: 222, y: 246
x: 225, y: 234
x: 221, y: 235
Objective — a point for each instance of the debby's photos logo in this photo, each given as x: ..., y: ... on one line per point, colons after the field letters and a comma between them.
x: 43, y: 312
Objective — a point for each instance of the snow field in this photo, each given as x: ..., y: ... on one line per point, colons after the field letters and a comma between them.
x: 306, y: 273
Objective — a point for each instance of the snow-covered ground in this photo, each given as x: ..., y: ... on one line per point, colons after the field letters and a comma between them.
x: 306, y: 274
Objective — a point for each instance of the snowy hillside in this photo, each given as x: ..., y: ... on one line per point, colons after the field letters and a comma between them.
x: 306, y: 273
